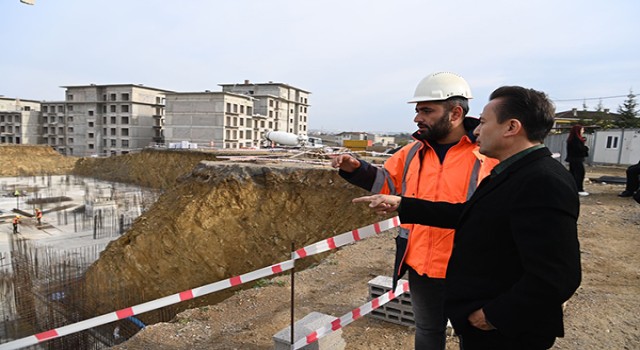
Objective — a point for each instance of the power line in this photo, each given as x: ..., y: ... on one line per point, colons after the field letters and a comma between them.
x: 588, y: 98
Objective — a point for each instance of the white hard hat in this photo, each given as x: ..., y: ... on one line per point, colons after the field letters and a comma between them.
x: 440, y: 86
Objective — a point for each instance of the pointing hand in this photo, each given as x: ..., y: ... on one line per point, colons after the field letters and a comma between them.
x: 381, y: 204
x: 345, y: 162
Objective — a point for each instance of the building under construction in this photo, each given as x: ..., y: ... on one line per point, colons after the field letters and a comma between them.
x: 42, y: 266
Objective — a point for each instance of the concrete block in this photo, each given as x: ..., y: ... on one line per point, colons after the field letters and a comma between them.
x: 397, y: 311
x: 306, y: 325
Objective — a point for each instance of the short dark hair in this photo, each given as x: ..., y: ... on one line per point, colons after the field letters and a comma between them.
x: 531, y: 107
x: 457, y: 101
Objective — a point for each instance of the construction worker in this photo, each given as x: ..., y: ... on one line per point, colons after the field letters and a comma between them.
x: 443, y: 164
x: 39, y: 216
x: 16, y: 221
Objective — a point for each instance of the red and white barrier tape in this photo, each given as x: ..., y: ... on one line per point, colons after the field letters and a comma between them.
x: 346, y: 238
x: 319, y: 247
x: 351, y: 316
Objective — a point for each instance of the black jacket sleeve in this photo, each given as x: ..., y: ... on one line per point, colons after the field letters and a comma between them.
x: 423, y: 212
x: 362, y: 177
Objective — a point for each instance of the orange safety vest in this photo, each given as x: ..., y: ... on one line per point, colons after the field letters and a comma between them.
x: 16, y: 221
x: 39, y: 215
x: 406, y: 174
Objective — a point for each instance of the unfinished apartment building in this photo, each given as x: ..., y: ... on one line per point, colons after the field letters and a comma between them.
x: 211, y: 119
x: 283, y: 104
x: 237, y: 117
x: 19, y: 121
x: 104, y: 119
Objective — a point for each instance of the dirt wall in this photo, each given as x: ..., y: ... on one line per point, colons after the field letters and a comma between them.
x: 222, y: 220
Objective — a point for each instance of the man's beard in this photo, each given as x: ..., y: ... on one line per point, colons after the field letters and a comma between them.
x: 438, y: 131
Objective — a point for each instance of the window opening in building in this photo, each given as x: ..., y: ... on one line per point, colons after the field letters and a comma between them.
x: 612, y: 142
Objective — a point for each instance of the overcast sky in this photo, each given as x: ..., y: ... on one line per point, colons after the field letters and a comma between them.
x: 360, y: 59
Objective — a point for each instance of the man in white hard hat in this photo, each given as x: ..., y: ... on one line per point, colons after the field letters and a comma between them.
x: 443, y: 164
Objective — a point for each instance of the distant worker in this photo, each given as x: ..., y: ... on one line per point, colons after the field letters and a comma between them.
x: 443, y: 164
x: 633, y: 181
x: 39, y: 216
x: 16, y: 221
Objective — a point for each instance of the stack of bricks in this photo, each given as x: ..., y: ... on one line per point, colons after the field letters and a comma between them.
x: 397, y: 310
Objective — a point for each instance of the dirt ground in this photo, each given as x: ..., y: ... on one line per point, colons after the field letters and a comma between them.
x: 603, y: 314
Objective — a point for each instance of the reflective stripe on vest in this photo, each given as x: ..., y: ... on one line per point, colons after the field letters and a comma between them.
x: 382, y: 175
x: 412, y: 153
x: 473, y: 180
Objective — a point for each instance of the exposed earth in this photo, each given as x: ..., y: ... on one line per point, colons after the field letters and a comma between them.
x: 220, y: 219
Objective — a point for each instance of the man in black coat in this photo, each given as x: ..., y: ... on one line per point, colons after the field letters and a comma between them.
x: 516, y: 255
x: 633, y: 181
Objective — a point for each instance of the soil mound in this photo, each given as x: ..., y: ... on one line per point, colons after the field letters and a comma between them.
x: 25, y: 160
x: 148, y: 168
x: 222, y: 220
